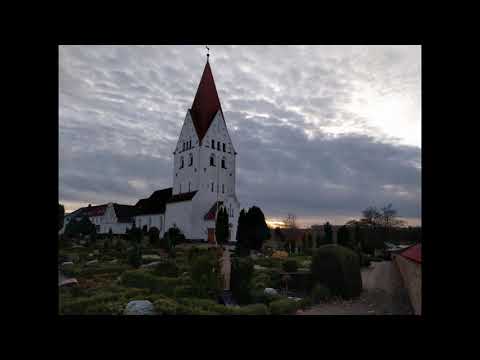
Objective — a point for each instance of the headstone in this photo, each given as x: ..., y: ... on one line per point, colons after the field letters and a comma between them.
x: 66, y: 264
x: 139, y: 307
x: 151, y: 264
x: 270, y: 291
x: 68, y: 282
x: 151, y: 257
x: 91, y: 262
x: 258, y: 267
x: 114, y: 261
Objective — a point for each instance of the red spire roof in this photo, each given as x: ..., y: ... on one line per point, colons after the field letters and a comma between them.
x: 413, y: 253
x: 206, y: 103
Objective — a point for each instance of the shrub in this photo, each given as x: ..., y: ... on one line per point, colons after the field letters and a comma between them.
x: 290, y: 265
x: 259, y: 296
x: 166, y: 267
x: 261, y: 280
x: 134, y: 257
x: 144, y: 280
x: 253, y: 309
x: 154, y: 235
x: 81, y: 305
x: 320, y: 293
x: 284, y: 307
x: 165, y: 306
x: 305, y: 303
x: 338, y: 268
x: 241, y: 279
x: 207, y: 280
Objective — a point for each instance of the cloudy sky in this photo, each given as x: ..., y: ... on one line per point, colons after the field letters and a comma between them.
x: 321, y: 131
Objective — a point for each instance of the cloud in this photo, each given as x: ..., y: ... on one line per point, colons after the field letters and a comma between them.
x: 320, y: 131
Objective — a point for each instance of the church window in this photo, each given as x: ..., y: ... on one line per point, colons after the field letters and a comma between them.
x: 212, y: 160
x: 223, y: 147
x: 213, y: 144
x: 189, y: 186
x: 191, y: 160
x: 183, y: 148
x: 181, y: 162
x: 212, y: 186
x: 218, y: 145
x: 223, y: 188
x: 223, y: 164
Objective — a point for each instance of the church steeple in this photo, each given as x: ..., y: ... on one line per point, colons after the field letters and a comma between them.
x: 206, y: 103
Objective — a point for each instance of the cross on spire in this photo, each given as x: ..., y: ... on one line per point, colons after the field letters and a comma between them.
x: 208, y: 51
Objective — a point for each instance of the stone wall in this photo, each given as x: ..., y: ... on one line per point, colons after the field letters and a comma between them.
x: 412, y: 278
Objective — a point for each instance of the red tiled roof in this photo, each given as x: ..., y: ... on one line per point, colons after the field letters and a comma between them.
x: 182, y: 197
x: 206, y: 103
x: 413, y: 253
x: 210, y: 215
x: 98, y: 210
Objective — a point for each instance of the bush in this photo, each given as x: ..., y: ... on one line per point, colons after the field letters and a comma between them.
x: 166, y: 267
x: 207, y: 280
x: 320, y: 293
x: 144, y: 280
x: 241, y: 279
x: 290, y: 265
x: 154, y: 235
x: 82, y: 305
x: 305, y: 303
x: 259, y: 296
x: 338, y: 268
x: 284, y: 307
x: 253, y: 309
x: 165, y: 307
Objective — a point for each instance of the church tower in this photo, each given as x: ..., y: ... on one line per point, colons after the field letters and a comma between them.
x: 203, y: 167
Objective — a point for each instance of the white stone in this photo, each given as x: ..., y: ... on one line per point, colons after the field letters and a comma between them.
x: 151, y: 264
x: 67, y: 264
x: 270, y: 291
x: 91, y: 262
x: 151, y: 257
x: 114, y: 261
x: 258, y: 267
x: 139, y: 307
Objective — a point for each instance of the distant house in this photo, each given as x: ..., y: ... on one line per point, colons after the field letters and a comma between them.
x: 116, y: 217
x: 409, y: 263
x: 150, y: 212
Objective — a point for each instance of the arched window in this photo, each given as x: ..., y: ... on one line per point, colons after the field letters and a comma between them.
x: 190, y: 163
x: 218, y: 145
x: 223, y: 147
x: 213, y: 144
x: 212, y: 160
x: 223, y: 164
x: 183, y: 148
x: 181, y: 162
x: 189, y: 186
x: 223, y: 188
x: 212, y: 186
x: 190, y: 144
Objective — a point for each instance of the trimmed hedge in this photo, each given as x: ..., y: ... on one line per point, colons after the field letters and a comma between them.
x: 338, y: 268
x: 156, y: 284
x: 290, y: 265
x: 320, y: 293
x: 253, y: 309
x: 284, y: 307
x: 241, y: 279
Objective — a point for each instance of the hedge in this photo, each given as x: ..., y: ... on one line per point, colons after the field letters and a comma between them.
x: 156, y: 284
x: 338, y: 268
x: 241, y: 279
x: 284, y: 307
x: 253, y: 309
x: 320, y: 293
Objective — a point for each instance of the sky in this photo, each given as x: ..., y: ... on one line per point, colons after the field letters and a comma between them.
x: 321, y: 132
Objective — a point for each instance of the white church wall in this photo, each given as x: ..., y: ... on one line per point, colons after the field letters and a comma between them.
x: 186, y: 179
x: 151, y: 220
x: 180, y: 214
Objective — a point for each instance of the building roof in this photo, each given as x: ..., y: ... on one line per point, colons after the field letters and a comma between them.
x: 155, y: 204
x: 182, y: 197
x: 413, y: 253
x: 125, y: 213
x: 205, y: 104
x: 97, y: 210
x: 210, y: 215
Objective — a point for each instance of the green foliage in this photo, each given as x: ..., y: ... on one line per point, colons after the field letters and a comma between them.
x: 145, y: 280
x: 284, y: 307
x: 290, y: 265
x: 88, y: 305
x: 327, y: 228
x: 166, y: 267
x: 258, y: 296
x: 80, y: 227
x: 154, y: 235
x: 171, y: 238
x: 338, y: 268
x: 61, y: 215
x: 257, y: 228
x: 241, y: 279
x: 253, y: 309
x: 320, y: 293
x: 207, y: 279
x: 241, y: 246
x: 221, y: 227
x: 134, y: 256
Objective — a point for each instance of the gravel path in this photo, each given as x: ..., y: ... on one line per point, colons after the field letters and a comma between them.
x: 383, y: 294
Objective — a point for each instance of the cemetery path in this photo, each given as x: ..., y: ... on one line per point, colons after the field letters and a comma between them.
x: 383, y: 294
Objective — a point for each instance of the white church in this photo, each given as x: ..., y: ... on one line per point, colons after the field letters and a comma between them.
x: 203, y: 178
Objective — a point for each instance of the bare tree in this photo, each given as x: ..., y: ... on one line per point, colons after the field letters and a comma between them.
x: 290, y: 221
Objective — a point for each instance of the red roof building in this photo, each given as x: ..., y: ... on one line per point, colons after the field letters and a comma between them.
x: 413, y: 253
x: 206, y: 103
